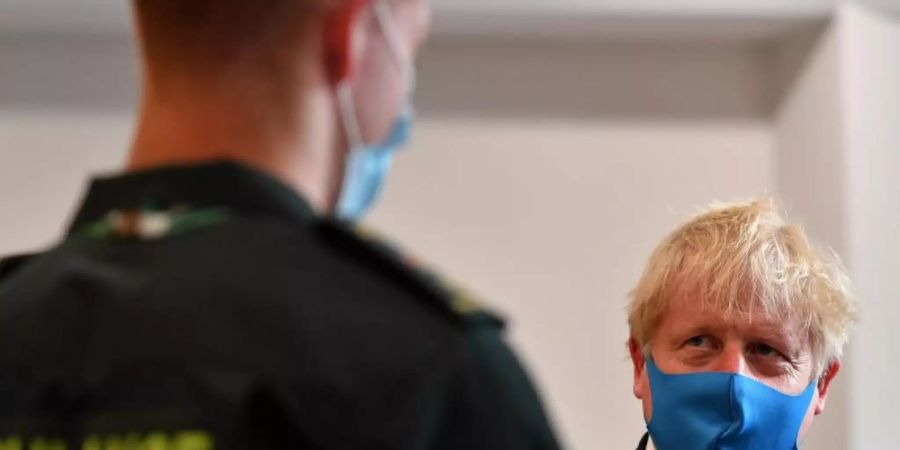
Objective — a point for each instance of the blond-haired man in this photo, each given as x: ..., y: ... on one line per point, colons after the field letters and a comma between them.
x: 737, y: 325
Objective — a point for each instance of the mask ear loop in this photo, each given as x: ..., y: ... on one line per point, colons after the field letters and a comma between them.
x: 348, y: 113
x: 385, y: 19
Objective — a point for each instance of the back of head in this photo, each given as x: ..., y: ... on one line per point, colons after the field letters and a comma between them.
x: 193, y: 37
x: 285, y: 86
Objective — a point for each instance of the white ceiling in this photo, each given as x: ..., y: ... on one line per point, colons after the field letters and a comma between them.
x: 650, y: 8
x: 716, y: 18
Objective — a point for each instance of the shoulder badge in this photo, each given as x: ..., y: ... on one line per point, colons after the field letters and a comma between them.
x: 149, y: 224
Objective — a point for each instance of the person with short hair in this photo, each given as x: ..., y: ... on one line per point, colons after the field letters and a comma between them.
x: 738, y: 325
x: 218, y: 293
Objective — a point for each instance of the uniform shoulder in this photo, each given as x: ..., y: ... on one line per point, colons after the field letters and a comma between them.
x: 374, y: 251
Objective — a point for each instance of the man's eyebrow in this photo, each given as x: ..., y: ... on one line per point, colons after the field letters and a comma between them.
x: 699, y: 328
x: 777, y: 333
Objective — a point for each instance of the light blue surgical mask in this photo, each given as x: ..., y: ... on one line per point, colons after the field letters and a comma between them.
x: 723, y: 411
x: 367, y: 166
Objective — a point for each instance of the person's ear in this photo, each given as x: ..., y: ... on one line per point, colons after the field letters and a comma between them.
x: 639, y: 363
x: 342, y: 25
x: 824, y: 383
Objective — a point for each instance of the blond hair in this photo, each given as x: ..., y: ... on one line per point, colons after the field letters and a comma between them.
x: 743, y: 259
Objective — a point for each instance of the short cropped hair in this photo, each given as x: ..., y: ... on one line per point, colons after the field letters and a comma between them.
x: 203, y: 33
x: 743, y: 259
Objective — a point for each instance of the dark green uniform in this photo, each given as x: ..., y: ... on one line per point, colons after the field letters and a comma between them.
x: 208, y: 307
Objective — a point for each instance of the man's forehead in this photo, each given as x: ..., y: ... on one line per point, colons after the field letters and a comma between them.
x: 686, y: 313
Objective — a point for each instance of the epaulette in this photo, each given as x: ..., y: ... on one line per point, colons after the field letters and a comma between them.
x: 10, y: 264
x: 454, y: 299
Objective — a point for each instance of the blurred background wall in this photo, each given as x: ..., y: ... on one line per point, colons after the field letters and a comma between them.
x: 558, y: 142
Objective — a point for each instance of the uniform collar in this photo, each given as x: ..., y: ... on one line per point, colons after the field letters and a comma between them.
x: 230, y: 185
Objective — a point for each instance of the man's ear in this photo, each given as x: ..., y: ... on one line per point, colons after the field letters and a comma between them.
x: 341, y: 27
x: 639, y: 363
x: 823, y: 385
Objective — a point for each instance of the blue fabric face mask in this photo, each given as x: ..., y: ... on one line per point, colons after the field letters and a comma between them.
x: 723, y: 411
x: 367, y: 166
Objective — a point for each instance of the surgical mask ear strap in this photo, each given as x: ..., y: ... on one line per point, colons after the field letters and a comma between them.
x: 348, y: 114
x: 385, y: 18
x: 347, y: 106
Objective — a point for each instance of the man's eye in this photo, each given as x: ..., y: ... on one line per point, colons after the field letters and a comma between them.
x: 698, y: 341
x: 765, y: 350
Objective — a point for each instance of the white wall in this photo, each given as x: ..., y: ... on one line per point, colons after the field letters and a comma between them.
x: 838, y: 158
x: 871, y: 72
x: 810, y: 176
x: 594, y: 80
x: 44, y: 161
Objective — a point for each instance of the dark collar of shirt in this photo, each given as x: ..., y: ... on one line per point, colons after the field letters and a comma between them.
x: 236, y: 187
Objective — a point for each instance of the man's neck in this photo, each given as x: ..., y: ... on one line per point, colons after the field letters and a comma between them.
x: 296, y: 145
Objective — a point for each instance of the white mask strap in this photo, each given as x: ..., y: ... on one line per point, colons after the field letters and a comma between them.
x: 385, y: 18
x: 348, y: 113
